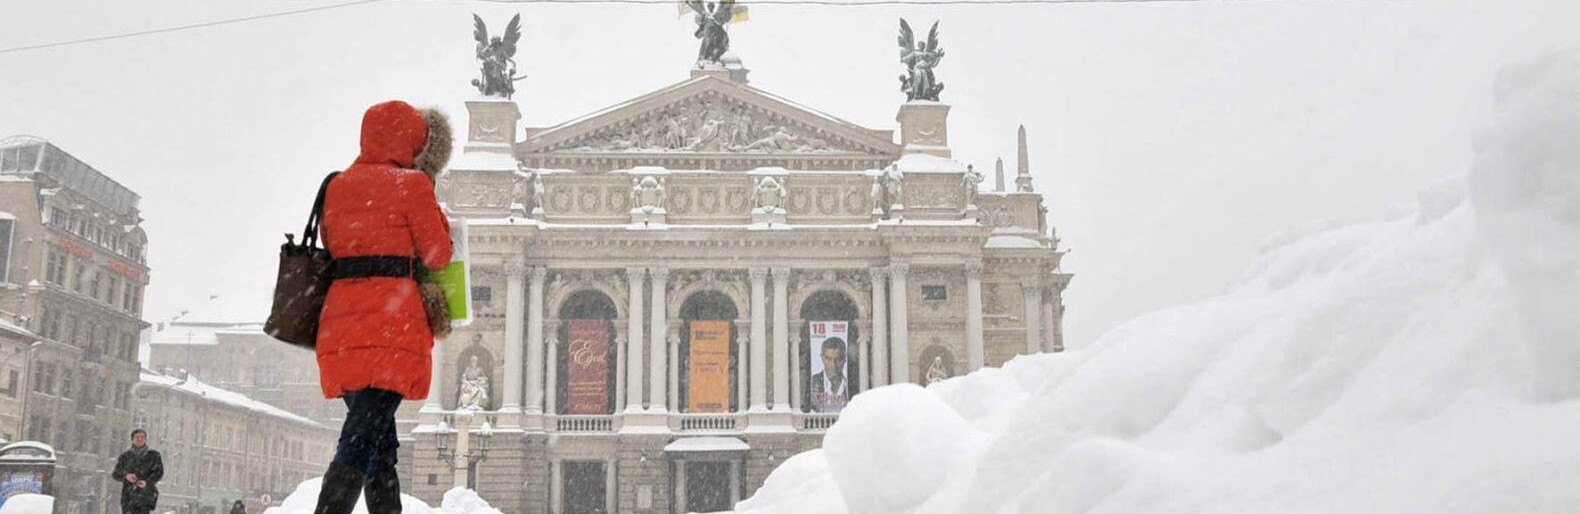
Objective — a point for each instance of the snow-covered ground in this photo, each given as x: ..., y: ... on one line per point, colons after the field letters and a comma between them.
x: 1429, y: 362
x: 28, y: 503
x: 456, y: 501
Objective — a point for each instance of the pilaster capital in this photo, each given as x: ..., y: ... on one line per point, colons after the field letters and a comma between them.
x: 878, y: 275
x: 659, y: 274
x: 899, y: 270
x: 757, y: 274
x: 538, y: 273
x: 974, y: 269
x: 516, y: 271
x: 781, y: 273
x: 635, y: 274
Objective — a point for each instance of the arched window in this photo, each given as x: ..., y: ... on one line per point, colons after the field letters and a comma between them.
x: 828, y: 361
x: 586, y: 354
x: 710, y: 317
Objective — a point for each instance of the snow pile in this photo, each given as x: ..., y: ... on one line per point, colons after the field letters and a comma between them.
x: 456, y: 501
x: 28, y: 503
x: 1425, y: 363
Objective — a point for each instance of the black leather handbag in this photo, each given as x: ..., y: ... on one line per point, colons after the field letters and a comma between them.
x: 302, y: 283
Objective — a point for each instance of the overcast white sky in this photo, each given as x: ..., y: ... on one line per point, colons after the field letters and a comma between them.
x: 1170, y: 138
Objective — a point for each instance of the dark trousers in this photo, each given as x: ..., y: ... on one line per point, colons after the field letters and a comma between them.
x: 367, y: 440
x: 135, y: 511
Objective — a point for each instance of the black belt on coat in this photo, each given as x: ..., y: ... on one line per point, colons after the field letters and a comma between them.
x: 397, y: 266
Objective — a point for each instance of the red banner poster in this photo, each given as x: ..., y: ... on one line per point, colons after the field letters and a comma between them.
x: 710, y: 367
x: 587, y: 367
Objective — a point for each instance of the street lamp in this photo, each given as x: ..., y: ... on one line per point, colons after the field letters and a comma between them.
x: 463, y: 457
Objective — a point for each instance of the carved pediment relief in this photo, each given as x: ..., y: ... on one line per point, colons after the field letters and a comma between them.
x: 709, y: 117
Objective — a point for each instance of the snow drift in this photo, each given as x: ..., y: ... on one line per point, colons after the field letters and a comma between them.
x: 456, y: 501
x: 28, y: 503
x: 1424, y: 363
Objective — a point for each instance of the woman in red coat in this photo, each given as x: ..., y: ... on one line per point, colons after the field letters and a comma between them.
x: 380, y: 221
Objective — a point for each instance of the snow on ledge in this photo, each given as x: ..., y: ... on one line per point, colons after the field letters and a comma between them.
x: 707, y: 444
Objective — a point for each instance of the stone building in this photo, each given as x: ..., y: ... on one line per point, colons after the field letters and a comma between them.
x: 657, y: 285
x: 16, y: 343
x: 74, y: 269
x: 241, y: 358
x: 220, y: 446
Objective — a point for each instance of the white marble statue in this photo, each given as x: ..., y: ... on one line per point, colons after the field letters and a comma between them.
x: 770, y: 194
x: 474, y: 387
x: 936, y: 372
x: 647, y: 194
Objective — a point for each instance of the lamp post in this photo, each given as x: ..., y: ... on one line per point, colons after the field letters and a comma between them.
x: 462, y: 457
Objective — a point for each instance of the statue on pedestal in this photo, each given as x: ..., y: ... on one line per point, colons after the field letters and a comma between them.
x: 711, y: 19
x: 920, y: 59
x: 972, y: 180
x: 647, y: 194
x: 936, y: 372
x: 497, y: 55
x: 770, y: 194
x: 474, y: 388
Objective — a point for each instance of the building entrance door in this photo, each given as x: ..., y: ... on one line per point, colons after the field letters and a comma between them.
x: 708, y: 486
x: 585, y: 488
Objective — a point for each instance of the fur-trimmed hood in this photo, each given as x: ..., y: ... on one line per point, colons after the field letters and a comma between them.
x: 441, y: 140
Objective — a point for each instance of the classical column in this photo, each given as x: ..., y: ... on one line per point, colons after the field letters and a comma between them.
x: 435, y: 402
x: 657, y: 350
x: 534, y: 402
x: 899, y: 318
x: 864, y: 346
x: 880, y: 327
x: 795, y: 366
x: 781, y: 339
x: 974, y: 352
x: 551, y: 380
x: 759, y: 353
x: 1032, y: 299
x: 674, y: 372
x: 741, y: 360
x: 515, y: 282
x: 1050, y: 342
x: 633, y: 338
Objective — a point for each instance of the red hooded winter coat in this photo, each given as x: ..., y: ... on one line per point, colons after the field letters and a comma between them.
x: 373, y: 332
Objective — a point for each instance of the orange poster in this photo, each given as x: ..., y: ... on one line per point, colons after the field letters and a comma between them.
x: 710, y: 366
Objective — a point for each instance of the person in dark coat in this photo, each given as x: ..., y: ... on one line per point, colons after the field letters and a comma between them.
x: 381, y: 221
x: 138, y: 470
x: 238, y: 508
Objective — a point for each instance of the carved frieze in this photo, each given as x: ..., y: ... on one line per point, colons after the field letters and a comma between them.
x: 709, y: 123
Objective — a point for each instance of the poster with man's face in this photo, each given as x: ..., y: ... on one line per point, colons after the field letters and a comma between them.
x: 829, y: 351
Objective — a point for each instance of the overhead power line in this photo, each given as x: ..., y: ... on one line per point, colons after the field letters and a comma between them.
x: 188, y: 27
x: 826, y: 3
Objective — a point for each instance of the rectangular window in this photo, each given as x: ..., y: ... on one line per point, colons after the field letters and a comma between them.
x: 11, y: 383
x: 57, y: 217
x: 7, y: 226
x: 126, y: 295
x: 55, y: 269
x: 78, y: 274
x: 482, y: 295
x: 935, y: 293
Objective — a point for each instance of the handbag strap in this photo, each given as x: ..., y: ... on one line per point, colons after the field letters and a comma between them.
x: 310, y: 233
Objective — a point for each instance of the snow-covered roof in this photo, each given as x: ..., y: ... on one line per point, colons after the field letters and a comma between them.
x: 8, y: 325
x: 192, y: 385
x: 1001, y: 241
x: 707, y: 444
x: 202, y: 333
x: 27, y: 450
x: 926, y: 163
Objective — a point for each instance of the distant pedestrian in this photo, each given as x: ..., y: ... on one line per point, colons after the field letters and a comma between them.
x: 238, y: 508
x: 139, y: 469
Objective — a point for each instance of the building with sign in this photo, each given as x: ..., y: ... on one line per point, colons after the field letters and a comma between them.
x: 674, y: 294
x: 220, y: 446
x: 73, y: 269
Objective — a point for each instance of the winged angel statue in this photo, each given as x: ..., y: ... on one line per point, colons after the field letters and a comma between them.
x: 711, y: 19
x: 497, y: 55
x: 920, y: 59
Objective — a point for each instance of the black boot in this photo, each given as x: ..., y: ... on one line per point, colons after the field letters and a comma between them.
x: 342, y: 485
x: 383, y: 493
